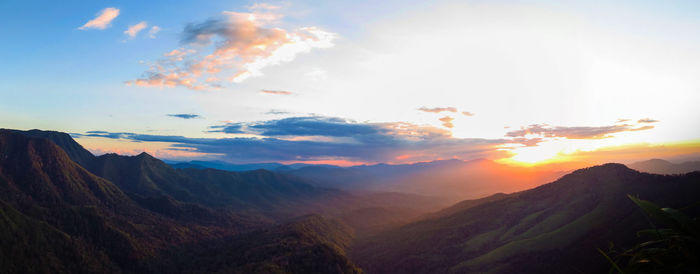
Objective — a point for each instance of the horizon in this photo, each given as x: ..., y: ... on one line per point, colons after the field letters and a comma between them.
x: 536, y: 84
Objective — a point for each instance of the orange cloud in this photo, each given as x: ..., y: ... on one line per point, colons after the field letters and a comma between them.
x: 628, y: 154
x: 600, y: 132
x: 438, y: 109
x: 447, y: 121
x: 103, y: 19
x: 467, y: 113
x: 276, y: 92
x: 647, y: 121
x: 133, y: 30
x: 246, y: 44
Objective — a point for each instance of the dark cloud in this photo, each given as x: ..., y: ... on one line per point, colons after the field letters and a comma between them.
x: 185, y: 116
x: 301, y: 126
x: 231, y: 128
x: 318, y: 138
x: 438, y: 109
x: 548, y: 131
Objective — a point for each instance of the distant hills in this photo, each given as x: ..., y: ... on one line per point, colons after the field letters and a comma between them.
x: 117, y: 213
x: 554, y: 228
x: 64, y: 210
x: 660, y: 166
x: 240, y: 167
x: 452, y: 179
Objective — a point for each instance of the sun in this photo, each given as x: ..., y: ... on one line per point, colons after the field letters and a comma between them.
x: 544, y: 153
x: 533, y: 155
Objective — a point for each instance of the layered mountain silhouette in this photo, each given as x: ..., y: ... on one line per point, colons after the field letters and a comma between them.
x: 454, y: 180
x: 660, y: 166
x: 240, y: 167
x: 552, y: 228
x: 59, y: 217
x: 64, y: 210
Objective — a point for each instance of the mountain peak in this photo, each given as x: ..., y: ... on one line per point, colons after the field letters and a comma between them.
x: 144, y: 155
x: 604, y: 168
x: 75, y: 151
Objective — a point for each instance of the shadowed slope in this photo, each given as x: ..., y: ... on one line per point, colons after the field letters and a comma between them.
x: 555, y: 227
x: 308, y: 244
x: 55, y: 217
x: 40, y: 183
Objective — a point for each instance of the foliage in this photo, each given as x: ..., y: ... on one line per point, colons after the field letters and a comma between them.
x: 671, y: 245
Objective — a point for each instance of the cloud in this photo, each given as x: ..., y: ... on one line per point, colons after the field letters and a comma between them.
x: 438, y: 109
x: 276, y: 92
x: 447, y: 121
x: 467, y: 113
x: 620, y: 120
x: 185, y: 116
x: 153, y: 31
x: 134, y: 30
x: 103, y: 19
x: 302, y: 126
x: 647, y: 121
x: 547, y: 131
x: 323, y: 138
x: 234, y: 46
x: 277, y: 112
x: 264, y: 6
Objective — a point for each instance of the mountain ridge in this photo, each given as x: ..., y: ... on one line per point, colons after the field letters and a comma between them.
x: 553, y: 225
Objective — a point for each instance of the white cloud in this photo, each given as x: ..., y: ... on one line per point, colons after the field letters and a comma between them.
x: 246, y: 43
x: 154, y: 30
x: 103, y: 19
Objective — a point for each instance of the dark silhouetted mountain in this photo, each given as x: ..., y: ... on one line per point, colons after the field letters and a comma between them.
x: 75, y: 151
x: 454, y: 179
x: 56, y: 216
x: 309, y: 244
x: 660, y: 166
x: 552, y: 228
x: 87, y: 216
x: 262, y: 191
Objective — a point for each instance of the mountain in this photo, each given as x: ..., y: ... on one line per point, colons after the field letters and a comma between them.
x: 75, y: 151
x: 307, y: 244
x: 84, y: 222
x: 660, y: 166
x: 552, y: 228
x: 137, y: 214
x: 452, y: 179
x: 226, y: 166
x: 56, y: 216
x: 240, y: 167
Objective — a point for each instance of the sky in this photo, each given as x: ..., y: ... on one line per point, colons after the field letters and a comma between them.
x: 358, y: 82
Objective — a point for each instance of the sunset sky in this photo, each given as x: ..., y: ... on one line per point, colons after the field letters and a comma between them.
x: 356, y: 82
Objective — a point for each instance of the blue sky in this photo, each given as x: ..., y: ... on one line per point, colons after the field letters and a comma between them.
x: 573, y: 77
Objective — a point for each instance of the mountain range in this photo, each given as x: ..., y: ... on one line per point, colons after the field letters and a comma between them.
x: 64, y: 210
x: 554, y: 227
x: 453, y: 180
x: 660, y: 166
